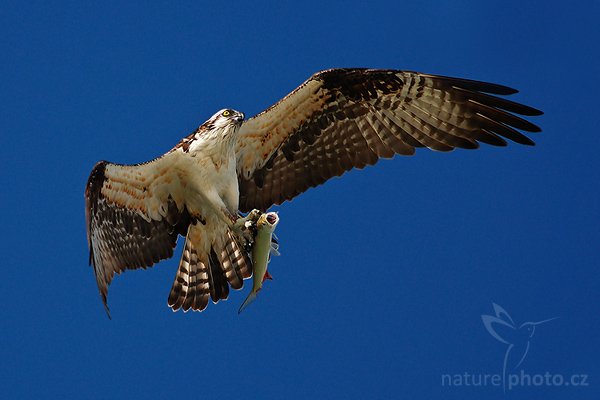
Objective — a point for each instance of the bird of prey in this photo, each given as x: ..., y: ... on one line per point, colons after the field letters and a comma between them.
x: 336, y: 120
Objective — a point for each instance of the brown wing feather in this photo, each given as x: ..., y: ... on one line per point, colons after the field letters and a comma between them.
x: 349, y: 118
x: 131, y: 224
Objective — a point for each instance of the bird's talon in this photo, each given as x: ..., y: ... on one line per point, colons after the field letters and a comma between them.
x: 243, y: 226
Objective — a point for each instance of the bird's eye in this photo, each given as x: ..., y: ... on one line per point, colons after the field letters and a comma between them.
x: 225, y: 113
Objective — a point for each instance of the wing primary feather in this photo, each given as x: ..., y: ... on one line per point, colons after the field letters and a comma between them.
x: 347, y: 118
x: 471, y: 85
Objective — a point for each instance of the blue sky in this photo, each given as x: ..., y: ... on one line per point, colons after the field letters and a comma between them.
x: 384, y: 274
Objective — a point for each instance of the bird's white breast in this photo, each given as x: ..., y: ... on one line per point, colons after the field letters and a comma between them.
x: 211, y: 178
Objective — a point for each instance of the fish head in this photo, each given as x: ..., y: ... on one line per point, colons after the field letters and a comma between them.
x: 268, y: 221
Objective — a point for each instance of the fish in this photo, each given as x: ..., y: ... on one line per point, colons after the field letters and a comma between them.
x: 265, y: 244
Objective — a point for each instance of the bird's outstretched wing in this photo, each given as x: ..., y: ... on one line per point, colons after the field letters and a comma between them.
x: 341, y: 119
x: 134, y: 214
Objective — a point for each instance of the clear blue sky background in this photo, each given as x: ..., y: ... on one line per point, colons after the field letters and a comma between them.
x: 384, y: 274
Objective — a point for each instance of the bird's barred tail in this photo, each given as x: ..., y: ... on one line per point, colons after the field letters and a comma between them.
x: 228, y: 264
x: 192, y: 286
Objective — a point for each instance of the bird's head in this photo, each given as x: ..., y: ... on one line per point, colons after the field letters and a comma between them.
x: 225, y: 118
x: 222, y: 125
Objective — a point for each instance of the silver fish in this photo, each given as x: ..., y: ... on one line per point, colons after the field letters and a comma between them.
x: 261, y: 250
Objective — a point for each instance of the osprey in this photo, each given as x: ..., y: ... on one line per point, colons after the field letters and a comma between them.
x: 337, y: 120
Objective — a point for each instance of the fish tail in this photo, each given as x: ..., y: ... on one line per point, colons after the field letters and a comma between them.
x: 251, y: 297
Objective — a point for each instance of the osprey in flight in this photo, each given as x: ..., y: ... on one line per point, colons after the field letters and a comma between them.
x: 337, y: 120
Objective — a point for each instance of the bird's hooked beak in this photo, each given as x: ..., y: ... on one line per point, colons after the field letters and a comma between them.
x: 239, y: 117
